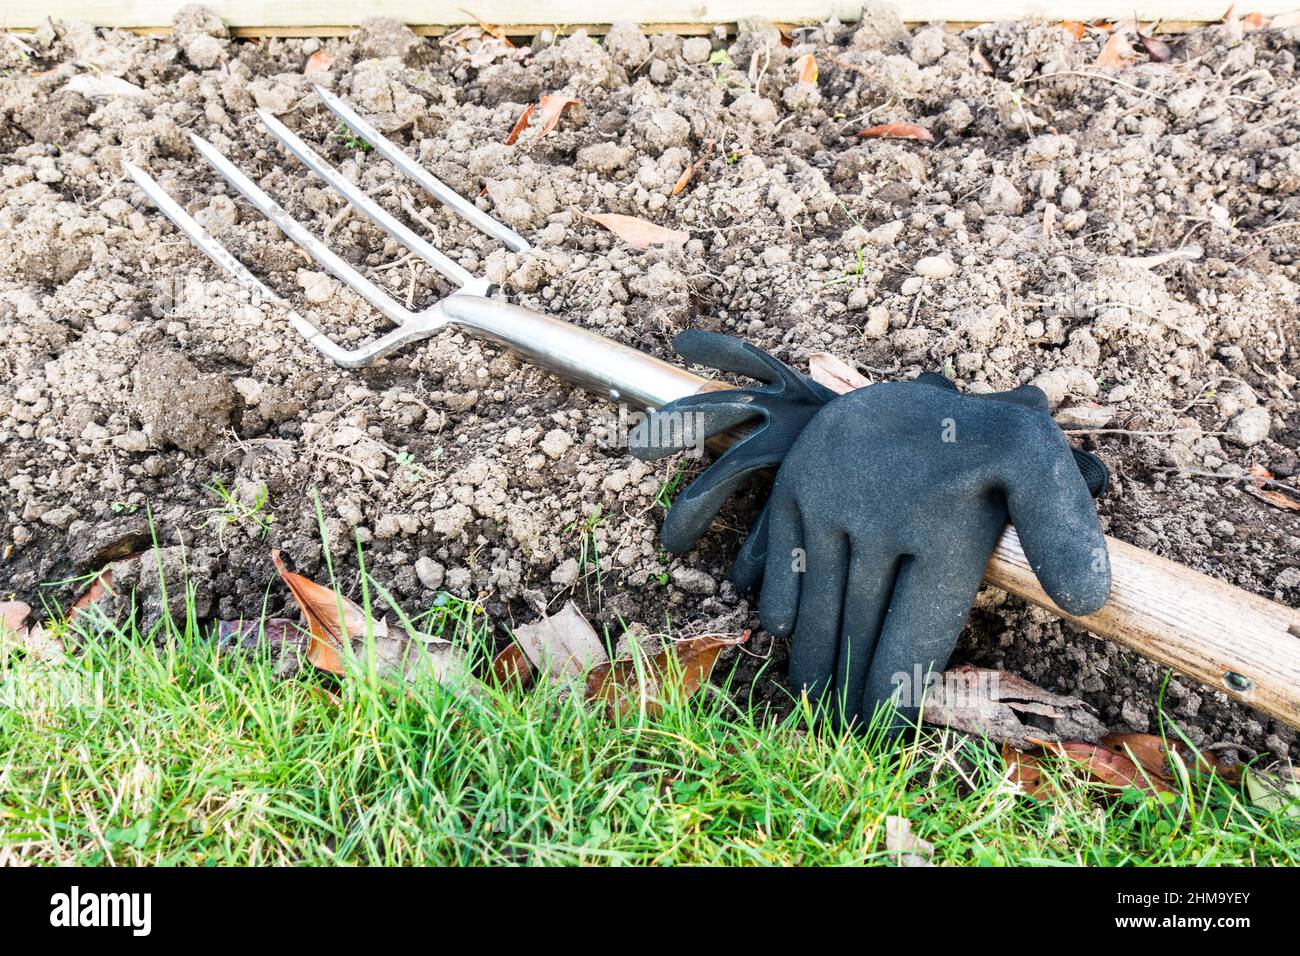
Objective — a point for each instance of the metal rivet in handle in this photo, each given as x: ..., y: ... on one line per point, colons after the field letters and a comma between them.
x: 1237, y: 682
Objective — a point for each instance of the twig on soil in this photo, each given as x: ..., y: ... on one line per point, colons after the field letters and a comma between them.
x: 1276, y: 378
x: 20, y: 44
x: 1098, y: 76
x: 1136, y: 431
x: 346, y: 211
x: 1213, y: 383
x: 371, y: 472
x: 337, y: 219
x: 107, y: 192
x: 1231, y: 479
x: 408, y: 205
x: 916, y: 304
x: 395, y: 264
x: 771, y: 647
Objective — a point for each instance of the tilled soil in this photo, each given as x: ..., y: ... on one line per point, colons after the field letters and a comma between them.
x: 138, y: 380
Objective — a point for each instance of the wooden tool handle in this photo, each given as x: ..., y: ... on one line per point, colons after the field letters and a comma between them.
x: 1229, y: 639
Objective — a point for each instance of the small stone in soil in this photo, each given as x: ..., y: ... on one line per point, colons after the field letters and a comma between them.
x: 1250, y: 427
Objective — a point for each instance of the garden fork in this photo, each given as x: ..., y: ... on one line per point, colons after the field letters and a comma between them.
x: 1233, y: 641
x: 582, y: 357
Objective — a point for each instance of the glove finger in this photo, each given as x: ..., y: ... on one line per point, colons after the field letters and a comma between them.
x: 1029, y: 396
x: 927, y: 610
x: 815, y: 647
x: 1095, y: 473
x: 747, y: 570
x: 1059, y: 529
x: 696, y: 507
x: 679, y: 426
x: 935, y: 380
x: 728, y: 354
x: 872, y: 574
x: 778, y: 605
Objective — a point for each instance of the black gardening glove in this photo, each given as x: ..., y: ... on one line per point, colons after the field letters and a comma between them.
x: 884, y: 516
x: 778, y: 412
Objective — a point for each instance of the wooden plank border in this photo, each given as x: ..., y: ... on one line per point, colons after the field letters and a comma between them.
x: 433, y: 17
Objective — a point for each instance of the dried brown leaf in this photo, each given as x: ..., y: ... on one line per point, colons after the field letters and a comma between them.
x: 490, y: 50
x: 549, y: 109
x: 1146, y: 750
x: 249, y: 635
x: 1074, y: 28
x: 835, y: 373
x: 34, y: 640
x: 411, y: 655
x: 1106, y: 766
x: 989, y: 703
x: 981, y: 61
x: 13, y: 616
x: 683, y: 179
x: 1158, y: 50
x: 806, y: 67
x: 623, y: 690
x: 1261, y: 489
x: 564, y: 646
x: 1026, y: 772
x: 637, y: 233
x: 1253, y: 21
x: 691, y: 168
x: 488, y: 28
x: 908, y: 848
x: 318, y: 62
x: 461, y: 35
x: 561, y: 644
x: 512, y: 666
x: 331, y: 618
x: 1157, y: 756
x: 897, y: 131
x: 521, y: 124
x: 1117, y: 53
x: 103, y: 584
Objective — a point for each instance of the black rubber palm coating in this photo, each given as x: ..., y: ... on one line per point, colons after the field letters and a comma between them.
x: 882, y: 520
x: 779, y: 410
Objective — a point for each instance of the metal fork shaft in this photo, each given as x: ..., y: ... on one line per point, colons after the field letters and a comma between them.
x: 585, y: 358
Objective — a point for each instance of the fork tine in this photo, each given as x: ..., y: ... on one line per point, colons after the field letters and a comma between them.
x: 377, y: 214
x: 423, y: 325
x: 336, y: 266
x: 432, y: 184
x: 197, y: 234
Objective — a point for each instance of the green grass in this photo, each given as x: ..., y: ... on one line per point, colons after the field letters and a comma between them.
x: 132, y: 754
x: 231, y: 513
x: 589, y: 554
x: 351, y: 140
